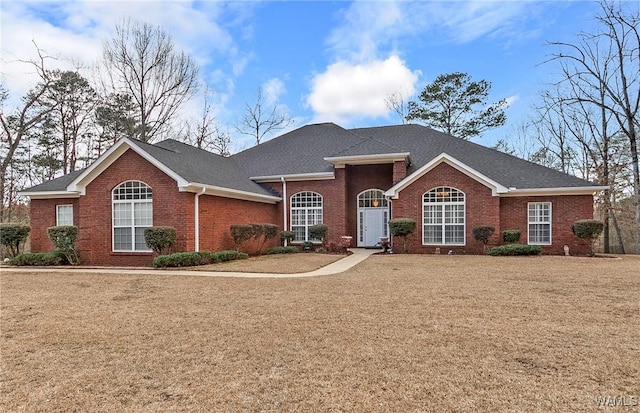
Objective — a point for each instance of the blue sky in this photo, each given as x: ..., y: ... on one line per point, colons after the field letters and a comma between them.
x: 318, y: 61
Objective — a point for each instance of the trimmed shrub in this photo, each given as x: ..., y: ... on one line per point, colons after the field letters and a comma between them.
x: 483, y: 233
x: 282, y: 250
x: 511, y: 235
x: 160, y: 239
x: 307, y: 245
x: 319, y: 232
x: 241, y: 233
x: 516, y: 249
x: 402, y: 227
x: 287, y: 236
x: 37, y: 259
x: 229, y: 255
x: 64, y: 238
x: 13, y: 237
x: 192, y: 259
x: 264, y: 231
x: 588, y: 230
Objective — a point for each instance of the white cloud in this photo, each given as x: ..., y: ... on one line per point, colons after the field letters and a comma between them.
x: 371, y: 28
x: 512, y: 99
x: 348, y: 90
x: 272, y: 89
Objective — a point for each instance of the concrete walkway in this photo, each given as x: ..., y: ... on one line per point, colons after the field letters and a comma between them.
x: 358, y: 255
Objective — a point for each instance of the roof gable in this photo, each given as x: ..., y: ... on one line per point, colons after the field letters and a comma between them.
x: 496, y: 188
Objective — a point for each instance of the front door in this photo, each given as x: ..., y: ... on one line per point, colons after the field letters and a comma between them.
x: 373, y: 226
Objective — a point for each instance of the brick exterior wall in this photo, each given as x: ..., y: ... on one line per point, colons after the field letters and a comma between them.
x: 43, y: 216
x: 217, y: 214
x: 565, y: 210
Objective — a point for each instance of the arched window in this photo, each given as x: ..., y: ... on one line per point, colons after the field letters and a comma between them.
x: 372, y: 198
x: 132, y: 213
x: 306, y: 210
x: 443, y: 217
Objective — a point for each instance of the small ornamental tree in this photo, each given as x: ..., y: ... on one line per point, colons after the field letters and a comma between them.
x: 64, y: 238
x: 241, y: 233
x: 483, y: 233
x: 287, y: 236
x: 588, y: 230
x: 402, y: 227
x: 318, y: 231
x: 511, y: 235
x: 160, y: 239
x: 13, y: 237
x: 270, y: 232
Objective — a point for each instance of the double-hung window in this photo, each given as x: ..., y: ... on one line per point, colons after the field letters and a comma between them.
x: 306, y: 211
x: 132, y: 213
x: 64, y: 215
x: 539, y: 218
x: 443, y: 217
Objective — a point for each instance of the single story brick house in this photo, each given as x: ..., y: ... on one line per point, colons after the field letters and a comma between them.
x: 352, y: 180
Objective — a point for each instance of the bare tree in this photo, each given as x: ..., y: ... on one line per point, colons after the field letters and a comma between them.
x: 141, y: 61
x: 205, y: 133
x: 17, y: 124
x: 609, y: 60
x: 262, y: 119
x: 396, y: 103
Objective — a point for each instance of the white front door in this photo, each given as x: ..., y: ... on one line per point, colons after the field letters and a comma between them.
x: 372, y: 226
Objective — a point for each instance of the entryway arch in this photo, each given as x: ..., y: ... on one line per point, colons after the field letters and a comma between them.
x: 373, y: 217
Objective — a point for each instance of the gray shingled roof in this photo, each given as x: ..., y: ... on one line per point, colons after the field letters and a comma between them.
x: 303, y: 150
x: 424, y: 144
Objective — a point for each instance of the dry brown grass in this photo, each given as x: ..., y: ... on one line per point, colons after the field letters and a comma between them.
x: 396, y: 333
x: 276, y: 263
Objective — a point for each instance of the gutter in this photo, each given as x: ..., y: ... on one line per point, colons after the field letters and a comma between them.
x: 284, y: 206
x: 196, y: 218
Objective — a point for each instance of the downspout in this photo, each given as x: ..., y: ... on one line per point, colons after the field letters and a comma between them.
x: 196, y: 215
x: 284, y: 206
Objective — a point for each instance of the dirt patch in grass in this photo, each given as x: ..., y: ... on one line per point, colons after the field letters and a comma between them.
x: 275, y: 263
x: 395, y: 333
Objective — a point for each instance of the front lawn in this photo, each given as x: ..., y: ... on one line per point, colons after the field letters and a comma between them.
x: 396, y: 333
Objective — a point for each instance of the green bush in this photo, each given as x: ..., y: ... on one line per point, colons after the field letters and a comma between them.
x: 230, y: 255
x: 588, y: 230
x: 516, y: 249
x: 241, y: 233
x: 283, y: 250
x: 319, y: 232
x: 511, y: 235
x: 13, y: 237
x: 402, y: 227
x: 483, y: 233
x: 192, y: 259
x: 64, y: 238
x: 287, y: 236
x: 160, y: 239
x: 37, y: 259
x: 307, y: 245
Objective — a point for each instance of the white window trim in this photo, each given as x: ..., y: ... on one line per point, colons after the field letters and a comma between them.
x: 58, y: 207
x: 550, y: 223
x: 306, y: 209
x: 464, y: 224
x: 133, y: 226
